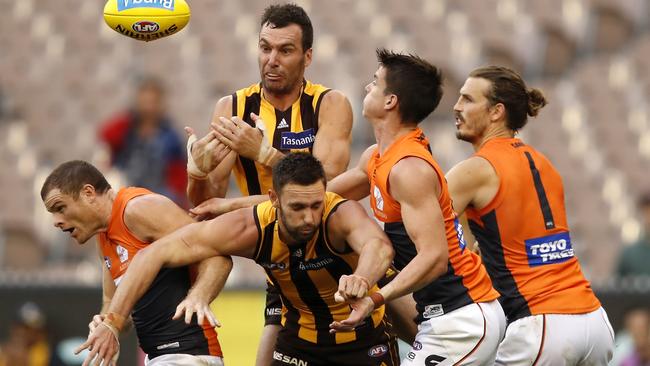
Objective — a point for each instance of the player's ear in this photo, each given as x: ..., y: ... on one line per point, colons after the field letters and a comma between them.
x: 308, y: 55
x: 390, y: 101
x: 88, y: 192
x: 274, y: 198
x: 497, y: 112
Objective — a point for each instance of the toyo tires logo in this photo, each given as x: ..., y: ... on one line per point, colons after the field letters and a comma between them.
x: 145, y: 26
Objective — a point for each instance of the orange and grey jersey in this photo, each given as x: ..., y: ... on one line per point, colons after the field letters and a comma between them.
x: 466, y: 280
x: 307, y: 275
x: 290, y: 130
x: 152, y: 315
x: 524, y: 236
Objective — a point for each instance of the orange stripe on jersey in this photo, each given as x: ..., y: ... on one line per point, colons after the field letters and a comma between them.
x: 466, y: 280
x: 119, y: 246
x: 524, y: 236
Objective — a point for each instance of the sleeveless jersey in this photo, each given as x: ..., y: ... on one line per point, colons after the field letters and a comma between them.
x: 307, y: 276
x: 152, y: 315
x: 524, y: 236
x: 466, y: 280
x: 288, y: 131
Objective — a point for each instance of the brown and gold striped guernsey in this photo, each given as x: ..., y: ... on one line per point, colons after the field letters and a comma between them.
x: 288, y: 131
x: 307, y: 276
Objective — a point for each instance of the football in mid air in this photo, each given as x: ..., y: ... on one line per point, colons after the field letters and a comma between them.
x: 146, y: 20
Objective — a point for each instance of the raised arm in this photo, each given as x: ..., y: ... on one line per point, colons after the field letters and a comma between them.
x: 332, y: 143
x: 232, y: 234
x: 203, y: 151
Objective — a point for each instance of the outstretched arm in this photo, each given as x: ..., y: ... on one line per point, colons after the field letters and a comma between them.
x: 231, y: 234
x: 142, y: 218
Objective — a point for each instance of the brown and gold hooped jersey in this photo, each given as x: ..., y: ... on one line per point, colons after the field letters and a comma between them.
x: 307, y: 276
x: 288, y: 131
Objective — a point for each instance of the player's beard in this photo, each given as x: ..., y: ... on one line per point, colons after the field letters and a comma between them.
x: 297, y: 233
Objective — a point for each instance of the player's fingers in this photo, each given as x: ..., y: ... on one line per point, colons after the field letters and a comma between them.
x: 200, y: 316
x: 238, y: 122
x: 343, y: 283
x: 188, y: 315
x: 340, y: 327
x: 352, y: 288
x: 222, y: 137
x: 338, y: 297
x: 87, y: 361
x: 90, y: 357
x: 85, y: 345
x: 254, y: 117
x: 361, y: 290
x: 179, y: 310
x: 212, y: 319
x: 189, y: 131
x: 228, y: 124
x: 100, y: 357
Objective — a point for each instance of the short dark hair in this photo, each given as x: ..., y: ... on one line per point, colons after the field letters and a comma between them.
x: 416, y: 83
x: 300, y: 168
x: 71, y: 176
x: 509, y: 89
x: 280, y: 16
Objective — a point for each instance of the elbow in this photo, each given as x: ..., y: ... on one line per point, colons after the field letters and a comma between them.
x: 439, y: 267
x: 226, y: 263
x: 387, y: 253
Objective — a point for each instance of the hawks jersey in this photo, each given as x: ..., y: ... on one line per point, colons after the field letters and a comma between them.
x: 524, y: 236
x: 152, y: 315
x: 288, y: 131
x: 466, y: 280
x: 307, y: 276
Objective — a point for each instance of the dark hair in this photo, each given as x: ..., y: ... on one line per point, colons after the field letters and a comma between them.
x: 299, y: 168
x: 416, y: 83
x: 70, y: 177
x: 509, y: 89
x: 280, y: 16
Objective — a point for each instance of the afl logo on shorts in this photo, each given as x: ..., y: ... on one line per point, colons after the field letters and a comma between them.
x: 378, y: 350
x: 145, y: 26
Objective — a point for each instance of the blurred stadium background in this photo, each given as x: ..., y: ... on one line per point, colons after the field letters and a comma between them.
x: 63, y: 72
